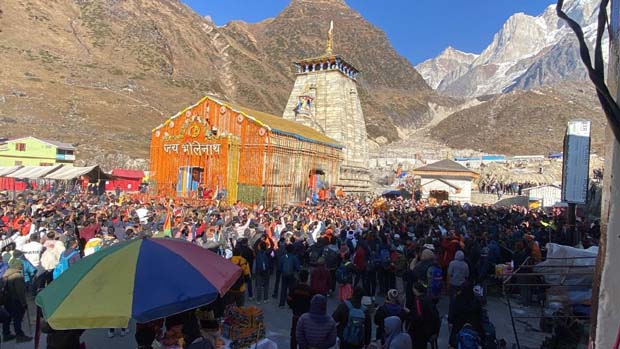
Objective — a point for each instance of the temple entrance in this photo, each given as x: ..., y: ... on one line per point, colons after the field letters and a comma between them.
x: 439, y: 196
x: 316, y: 180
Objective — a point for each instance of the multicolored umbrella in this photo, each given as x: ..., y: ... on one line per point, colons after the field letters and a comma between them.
x: 143, y: 279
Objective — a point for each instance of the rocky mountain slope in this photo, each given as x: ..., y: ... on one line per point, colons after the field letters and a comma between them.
x: 444, y: 69
x: 527, y: 52
x: 102, y: 73
x: 524, y: 122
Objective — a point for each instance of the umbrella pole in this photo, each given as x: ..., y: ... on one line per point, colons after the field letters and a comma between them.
x: 37, y: 329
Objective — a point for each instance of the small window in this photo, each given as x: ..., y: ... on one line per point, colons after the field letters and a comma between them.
x: 46, y: 164
x: 18, y: 163
x: 20, y: 146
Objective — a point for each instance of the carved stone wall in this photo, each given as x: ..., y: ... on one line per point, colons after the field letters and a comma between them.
x: 327, y: 101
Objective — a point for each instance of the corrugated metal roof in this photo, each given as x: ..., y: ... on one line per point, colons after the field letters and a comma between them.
x: 543, y: 186
x: 60, y: 145
x: 57, y: 144
x: 69, y: 172
x: 8, y: 170
x: 33, y: 172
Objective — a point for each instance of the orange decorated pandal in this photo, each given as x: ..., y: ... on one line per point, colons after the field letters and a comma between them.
x: 219, y: 147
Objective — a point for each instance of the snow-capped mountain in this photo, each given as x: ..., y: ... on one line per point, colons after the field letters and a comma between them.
x: 527, y: 52
x: 450, y: 65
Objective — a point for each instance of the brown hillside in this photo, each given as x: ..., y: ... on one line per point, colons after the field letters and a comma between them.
x: 524, y: 122
x: 102, y: 73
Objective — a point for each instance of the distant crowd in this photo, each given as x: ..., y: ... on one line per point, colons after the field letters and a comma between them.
x: 407, y: 252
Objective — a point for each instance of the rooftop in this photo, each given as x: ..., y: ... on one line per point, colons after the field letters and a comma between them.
x: 274, y: 123
x: 445, y: 166
x: 57, y: 144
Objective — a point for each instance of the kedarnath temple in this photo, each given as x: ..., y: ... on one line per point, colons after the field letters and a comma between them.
x: 325, y: 98
x: 216, y: 149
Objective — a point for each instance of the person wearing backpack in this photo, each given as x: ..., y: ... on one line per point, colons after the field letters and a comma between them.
x: 391, y: 307
x: 279, y: 253
x: 464, y: 309
x: 288, y: 266
x: 467, y: 338
x: 14, y: 292
x: 29, y: 272
x: 353, y: 322
x: 262, y: 266
x: 423, y: 318
x: 344, y: 277
x: 237, y: 291
x: 430, y: 274
x: 68, y: 257
x: 434, y: 277
x: 332, y: 261
x: 316, y: 252
x: 385, y: 268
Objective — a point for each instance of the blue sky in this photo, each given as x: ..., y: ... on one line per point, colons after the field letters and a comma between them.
x: 418, y: 29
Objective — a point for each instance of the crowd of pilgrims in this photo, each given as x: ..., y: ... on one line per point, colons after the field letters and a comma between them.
x: 407, y: 253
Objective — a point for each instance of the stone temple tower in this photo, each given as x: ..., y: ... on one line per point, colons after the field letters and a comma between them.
x: 325, y: 98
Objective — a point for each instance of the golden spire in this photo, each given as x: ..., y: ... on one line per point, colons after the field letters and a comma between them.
x: 330, y: 38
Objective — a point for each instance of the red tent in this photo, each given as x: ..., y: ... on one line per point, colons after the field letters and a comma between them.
x: 127, y: 180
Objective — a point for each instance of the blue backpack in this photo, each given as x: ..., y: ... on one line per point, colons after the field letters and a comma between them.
x: 3, y: 268
x: 435, y: 281
x: 343, y: 275
x: 468, y: 338
x: 384, y: 257
x: 353, y: 333
x: 262, y: 262
x: 63, y: 264
x: 287, y: 264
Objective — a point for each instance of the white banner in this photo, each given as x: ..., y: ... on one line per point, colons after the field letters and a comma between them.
x: 576, y: 166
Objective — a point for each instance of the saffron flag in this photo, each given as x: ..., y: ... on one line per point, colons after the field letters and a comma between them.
x: 168, y: 224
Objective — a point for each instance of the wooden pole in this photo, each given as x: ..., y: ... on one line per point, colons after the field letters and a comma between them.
x: 37, y: 328
x: 606, y: 287
x: 572, y: 223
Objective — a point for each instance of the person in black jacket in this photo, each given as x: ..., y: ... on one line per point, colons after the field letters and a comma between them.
x: 465, y: 309
x: 391, y: 307
x: 298, y: 300
x: 261, y: 272
x: 65, y: 339
x: 423, y: 321
x: 341, y: 316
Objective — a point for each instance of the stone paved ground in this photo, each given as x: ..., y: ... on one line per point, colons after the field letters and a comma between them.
x: 278, y: 326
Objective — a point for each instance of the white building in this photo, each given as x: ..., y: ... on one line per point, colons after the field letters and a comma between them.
x: 446, y: 180
x: 544, y: 195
